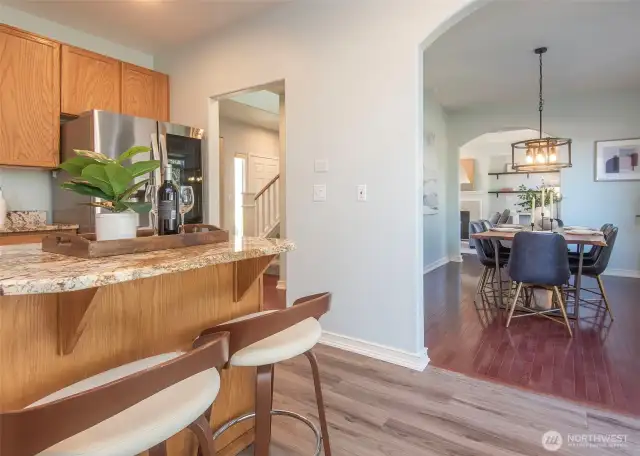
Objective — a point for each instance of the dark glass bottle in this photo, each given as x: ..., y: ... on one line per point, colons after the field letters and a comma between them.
x: 168, y: 205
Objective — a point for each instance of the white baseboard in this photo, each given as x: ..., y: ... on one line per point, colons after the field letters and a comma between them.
x: 456, y: 258
x: 415, y: 361
x: 435, y: 265
x: 633, y: 273
x: 281, y: 285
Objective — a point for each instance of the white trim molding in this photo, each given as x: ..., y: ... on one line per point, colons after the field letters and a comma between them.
x: 456, y: 258
x: 281, y: 285
x: 415, y: 361
x: 435, y: 265
x: 632, y: 273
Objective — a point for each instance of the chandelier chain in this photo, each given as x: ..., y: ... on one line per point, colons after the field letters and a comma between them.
x: 541, y: 100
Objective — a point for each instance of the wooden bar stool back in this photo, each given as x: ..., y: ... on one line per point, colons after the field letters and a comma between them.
x: 262, y: 340
x: 123, y: 411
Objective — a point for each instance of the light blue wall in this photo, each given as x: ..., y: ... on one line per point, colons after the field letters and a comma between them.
x: 64, y: 34
x: 435, y: 145
x: 585, y: 119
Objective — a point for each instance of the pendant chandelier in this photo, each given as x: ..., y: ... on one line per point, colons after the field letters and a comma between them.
x: 540, y: 154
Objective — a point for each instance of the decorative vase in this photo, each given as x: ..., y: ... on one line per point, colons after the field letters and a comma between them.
x: 548, y: 225
x: 116, y: 225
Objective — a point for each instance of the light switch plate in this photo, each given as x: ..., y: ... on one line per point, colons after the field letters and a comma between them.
x: 362, y: 192
x: 320, y: 192
x: 321, y: 166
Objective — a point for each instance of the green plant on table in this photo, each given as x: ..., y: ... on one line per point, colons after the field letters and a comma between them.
x: 529, y: 193
x: 95, y: 174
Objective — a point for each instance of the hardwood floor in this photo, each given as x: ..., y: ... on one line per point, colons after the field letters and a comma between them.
x: 599, y: 366
x: 378, y: 409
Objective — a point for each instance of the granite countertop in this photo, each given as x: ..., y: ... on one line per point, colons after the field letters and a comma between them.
x: 26, y: 269
x: 31, y: 221
x: 36, y: 228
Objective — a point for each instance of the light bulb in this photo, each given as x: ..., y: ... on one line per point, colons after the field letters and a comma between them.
x: 529, y: 159
x: 553, y: 157
x: 540, y: 158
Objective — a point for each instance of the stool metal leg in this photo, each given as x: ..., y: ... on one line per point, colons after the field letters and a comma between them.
x: 264, y: 401
x: 604, y: 295
x: 320, y: 401
x: 202, y: 430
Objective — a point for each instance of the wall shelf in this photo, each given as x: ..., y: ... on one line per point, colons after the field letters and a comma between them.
x: 498, y: 192
x: 521, y: 173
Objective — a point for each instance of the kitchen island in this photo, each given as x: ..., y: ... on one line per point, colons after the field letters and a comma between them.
x: 63, y: 319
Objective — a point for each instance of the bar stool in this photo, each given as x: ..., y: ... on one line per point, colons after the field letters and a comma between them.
x: 265, y: 338
x: 123, y: 411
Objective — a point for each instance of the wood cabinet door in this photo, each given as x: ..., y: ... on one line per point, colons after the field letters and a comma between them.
x: 29, y: 99
x: 145, y: 93
x: 89, y: 81
x: 162, y: 96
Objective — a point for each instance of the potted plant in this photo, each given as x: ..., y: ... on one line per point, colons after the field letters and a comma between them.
x: 95, y: 174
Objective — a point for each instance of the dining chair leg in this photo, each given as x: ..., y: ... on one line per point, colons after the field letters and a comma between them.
x: 264, y: 402
x: 158, y: 450
x: 319, y: 401
x: 480, y: 286
x: 202, y: 430
x: 513, y: 305
x: 562, y: 308
x: 604, y: 296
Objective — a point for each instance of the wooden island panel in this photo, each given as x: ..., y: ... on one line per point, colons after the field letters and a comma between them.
x: 130, y: 321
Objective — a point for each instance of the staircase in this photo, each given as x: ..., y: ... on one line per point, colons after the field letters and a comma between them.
x: 262, y: 216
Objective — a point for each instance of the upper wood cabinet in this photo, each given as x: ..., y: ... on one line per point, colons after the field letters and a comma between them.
x: 29, y: 99
x: 145, y: 93
x: 89, y: 81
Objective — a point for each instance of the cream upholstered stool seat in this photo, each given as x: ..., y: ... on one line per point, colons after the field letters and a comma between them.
x: 123, y: 411
x: 264, y: 339
x: 147, y: 423
x: 283, y: 345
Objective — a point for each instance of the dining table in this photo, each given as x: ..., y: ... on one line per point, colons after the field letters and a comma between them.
x: 580, y: 240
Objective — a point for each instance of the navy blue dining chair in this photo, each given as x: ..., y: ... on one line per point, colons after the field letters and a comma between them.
x: 539, y: 260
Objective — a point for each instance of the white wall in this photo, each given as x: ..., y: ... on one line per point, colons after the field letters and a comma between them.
x: 26, y: 189
x: 435, y: 156
x: 491, y: 152
x: 354, y: 96
x: 240, y: 138
x: 585, y: 119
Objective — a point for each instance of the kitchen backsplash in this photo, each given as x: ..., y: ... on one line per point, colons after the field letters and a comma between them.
x: 27, y: 189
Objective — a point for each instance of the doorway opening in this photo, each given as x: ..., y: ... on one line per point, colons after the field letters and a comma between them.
x: 251, y: 126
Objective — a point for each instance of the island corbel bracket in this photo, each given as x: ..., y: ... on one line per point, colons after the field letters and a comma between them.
x: 74, y: 312
x: 245, y: 272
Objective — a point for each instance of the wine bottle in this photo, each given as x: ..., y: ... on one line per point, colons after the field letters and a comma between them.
x: 168, y: 205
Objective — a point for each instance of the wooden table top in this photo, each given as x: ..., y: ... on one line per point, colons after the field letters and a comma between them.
x: 584, y: 239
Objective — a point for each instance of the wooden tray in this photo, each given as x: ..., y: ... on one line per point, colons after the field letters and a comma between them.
x: 85, y: 245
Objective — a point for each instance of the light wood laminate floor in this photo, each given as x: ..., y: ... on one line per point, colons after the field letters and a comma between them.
x: 377, y: 409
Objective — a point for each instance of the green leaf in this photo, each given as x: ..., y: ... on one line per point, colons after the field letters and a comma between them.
x: 94, y: 155
x: 97, y: 176
x: 143, y: 167
x: 135, y: 150
x: 119, y: 178
x: 75, y: 165
x: 139, y: 207
x: 86, y: 189
x: 130, y: 191
x: 104, y: 205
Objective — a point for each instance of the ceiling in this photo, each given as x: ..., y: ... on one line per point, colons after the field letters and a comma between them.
x: 151, y: 26
x: 488, y: 56
x: 240, y: 112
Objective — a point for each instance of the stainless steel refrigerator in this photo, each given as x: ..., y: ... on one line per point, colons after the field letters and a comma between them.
x: 111, y: 134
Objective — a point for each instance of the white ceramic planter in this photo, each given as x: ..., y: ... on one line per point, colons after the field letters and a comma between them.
x: 118, y: 225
